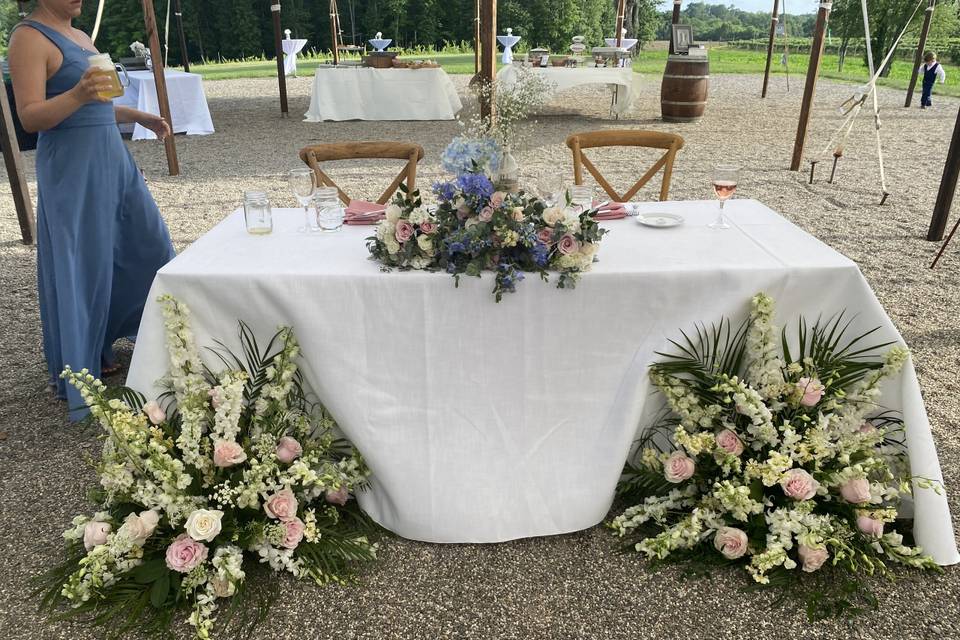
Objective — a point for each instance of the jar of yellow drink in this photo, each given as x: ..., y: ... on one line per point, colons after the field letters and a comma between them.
x: 106, y: 67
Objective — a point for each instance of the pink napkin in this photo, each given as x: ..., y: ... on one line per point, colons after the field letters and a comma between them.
x: 363, y: 212
x: 611, y: 211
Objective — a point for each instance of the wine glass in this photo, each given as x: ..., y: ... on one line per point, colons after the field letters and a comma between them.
x: 303, y: 184
x: 549, y: 186
x: 725, y: 178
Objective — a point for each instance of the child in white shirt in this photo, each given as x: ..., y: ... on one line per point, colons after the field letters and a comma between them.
x: 932, y: 71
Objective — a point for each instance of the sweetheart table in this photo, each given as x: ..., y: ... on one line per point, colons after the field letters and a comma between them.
x: 486, y: 422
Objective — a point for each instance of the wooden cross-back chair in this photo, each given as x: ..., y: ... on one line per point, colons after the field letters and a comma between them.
x: 316, y: 154
x: 670, y: 142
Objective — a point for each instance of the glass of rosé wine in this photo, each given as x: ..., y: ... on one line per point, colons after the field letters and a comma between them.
x: 725, y: 178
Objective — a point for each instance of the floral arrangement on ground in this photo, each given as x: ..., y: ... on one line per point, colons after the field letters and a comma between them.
x: 776, y: 454
x: 223, y: 476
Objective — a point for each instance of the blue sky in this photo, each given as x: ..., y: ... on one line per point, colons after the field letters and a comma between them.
x: 793, y: 6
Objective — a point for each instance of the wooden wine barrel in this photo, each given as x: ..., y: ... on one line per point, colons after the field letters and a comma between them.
x: 683, y: 92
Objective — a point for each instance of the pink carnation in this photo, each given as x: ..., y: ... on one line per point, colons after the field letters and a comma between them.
x: 185, y: 554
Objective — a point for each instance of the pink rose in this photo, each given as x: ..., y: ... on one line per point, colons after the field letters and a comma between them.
x: 294, y: 533
x: 812, y: 558
x: 486, y: 214
x: 227, y: 453
x: 428, y: 227
x: 729, y: 442
x: 867, y: 427
x: 340, y: 496
x: 798, y: 484
x: 282, y: 505
x: 215, y: 399
x: 870, y: 526
x: 404, y: 231
x: 185, y: 554
x: 568, y: 245
x: 678, y: 467
x: 155, y: 412
x: 545, y: 236
x: 731, y: 542
x: 496, y: 200
x: 812, y: 390
x: 856, y: 491
x: 95, y: 534
x: 288, y: 450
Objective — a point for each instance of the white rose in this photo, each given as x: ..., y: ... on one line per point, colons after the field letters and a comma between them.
x: 140, y: 527
x: 419, y: 216
x: 392, y: 245
x: 203, y: 525
x: 155, y: 412
x: 571, y: 221
x: 425, y: 242
x: 393, y: 213
x: 552, y: 216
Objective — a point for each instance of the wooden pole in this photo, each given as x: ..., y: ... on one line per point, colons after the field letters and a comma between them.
x: 813, y: 70
x: 621, y: 14
x: 476, y: 40
x: 335, y: 31
x: 948, y: 186
x: 488, y: 58
x: 918, y: 58
x: 774, y: 19
x: 674, y: 20
x: 184, y: 56
x: 278, y: 50
x: 14, y: 163
x: 153, y: 39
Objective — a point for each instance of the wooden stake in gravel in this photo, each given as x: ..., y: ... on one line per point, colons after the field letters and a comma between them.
x: 918, y: 58
x: 278, y: 48
x: 948, y: 187
x: 14, y: 163
x: 813, y: 70
x: 488, y: 58
x: 773, y: 34
x: 153, y: 40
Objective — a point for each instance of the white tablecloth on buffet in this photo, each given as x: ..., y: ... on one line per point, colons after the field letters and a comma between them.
x: 485, y: 422
x: 188, y: 103
x: 364, y: 93
x: 291, y: 47
x: 563, y: 78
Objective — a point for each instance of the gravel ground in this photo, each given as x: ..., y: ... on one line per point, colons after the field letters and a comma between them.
x: 574, y: 586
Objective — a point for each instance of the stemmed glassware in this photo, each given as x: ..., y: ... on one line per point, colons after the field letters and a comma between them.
x: 725, y: 178
x: 303, y: 184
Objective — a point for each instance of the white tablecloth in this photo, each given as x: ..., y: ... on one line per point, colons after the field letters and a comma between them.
x: 188, y: 103
x: 484, y: 422
x: 621, y: 80
x: 290, y: 50
x: 363, y: 93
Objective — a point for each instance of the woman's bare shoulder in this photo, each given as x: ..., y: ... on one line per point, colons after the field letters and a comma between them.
x: 27, y: 38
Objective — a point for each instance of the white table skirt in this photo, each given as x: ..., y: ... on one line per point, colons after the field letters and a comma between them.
x: 485, y: 422
x: 561, y: 78
x: 188, y: 103
x: 363, y: 93
x: 290, y: 50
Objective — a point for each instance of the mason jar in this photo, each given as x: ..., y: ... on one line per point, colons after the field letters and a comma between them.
x: 257, y: 213
x: 330, y: 211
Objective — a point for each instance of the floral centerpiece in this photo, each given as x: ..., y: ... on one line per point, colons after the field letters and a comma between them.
x: 774, y: 454
x: 224, y: 473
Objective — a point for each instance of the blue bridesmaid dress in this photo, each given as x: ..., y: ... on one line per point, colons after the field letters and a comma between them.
x: 100, y: 236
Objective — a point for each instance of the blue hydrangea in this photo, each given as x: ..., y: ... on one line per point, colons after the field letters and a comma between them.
x: 470, y: 155
x: 476, y: 185
x: 446, y: 191
x: 540, y: 253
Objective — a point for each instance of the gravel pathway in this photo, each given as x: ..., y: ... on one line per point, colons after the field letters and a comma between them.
x: 574, y: 586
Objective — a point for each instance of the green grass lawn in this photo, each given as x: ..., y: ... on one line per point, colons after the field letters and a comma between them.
x: 722, y: 60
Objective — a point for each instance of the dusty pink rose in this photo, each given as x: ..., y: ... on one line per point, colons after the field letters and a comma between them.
x: 856, y: 491
x: 496, y: 200
x: 486, y: 214
x: 340, y: 496
x: 867, y: 427
x: 729, y: 442
x: 518, y: 214
x: 678, y: 467
x: 95, y: 534
x: 155, y: 412
x: 404, y: 230
x: 812, y: 558
x: 282, y: 505
x: 812, y: 390
x: 288, y: 450
x: 731, y: 542
x: 545, y: 236
x: 870, y: 526
x: 568, y: 245
x: 227, y: 453
x: 798, y: 484
x: 294, y: 533
x: 185, y: 554
x: 428, y: 228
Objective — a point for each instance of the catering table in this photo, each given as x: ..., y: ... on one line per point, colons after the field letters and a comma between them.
x: 291, y: 47
x: 622, y: 81
x: 188, y: 103
x: 364, y: 93
x: 485, y: 422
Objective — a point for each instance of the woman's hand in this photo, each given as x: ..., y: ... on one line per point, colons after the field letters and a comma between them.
x: 91, y: 84
x: 158, y: 125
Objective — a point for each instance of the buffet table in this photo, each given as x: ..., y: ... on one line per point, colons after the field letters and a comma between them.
x: 363, y: 93
x: 621, y: 80
x: 188, y: 103
x: 486, y: 422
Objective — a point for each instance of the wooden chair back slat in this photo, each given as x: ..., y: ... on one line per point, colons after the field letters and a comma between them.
x: 670, y: 142
x: 316, y: 154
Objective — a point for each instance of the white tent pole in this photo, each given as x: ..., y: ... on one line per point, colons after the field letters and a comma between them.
x: 96, y: 24
x: 166, y: 36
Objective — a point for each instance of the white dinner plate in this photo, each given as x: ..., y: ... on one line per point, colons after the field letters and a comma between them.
x: 660, y: 220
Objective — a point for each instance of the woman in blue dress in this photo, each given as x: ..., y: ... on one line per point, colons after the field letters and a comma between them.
x: 100, y: 237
